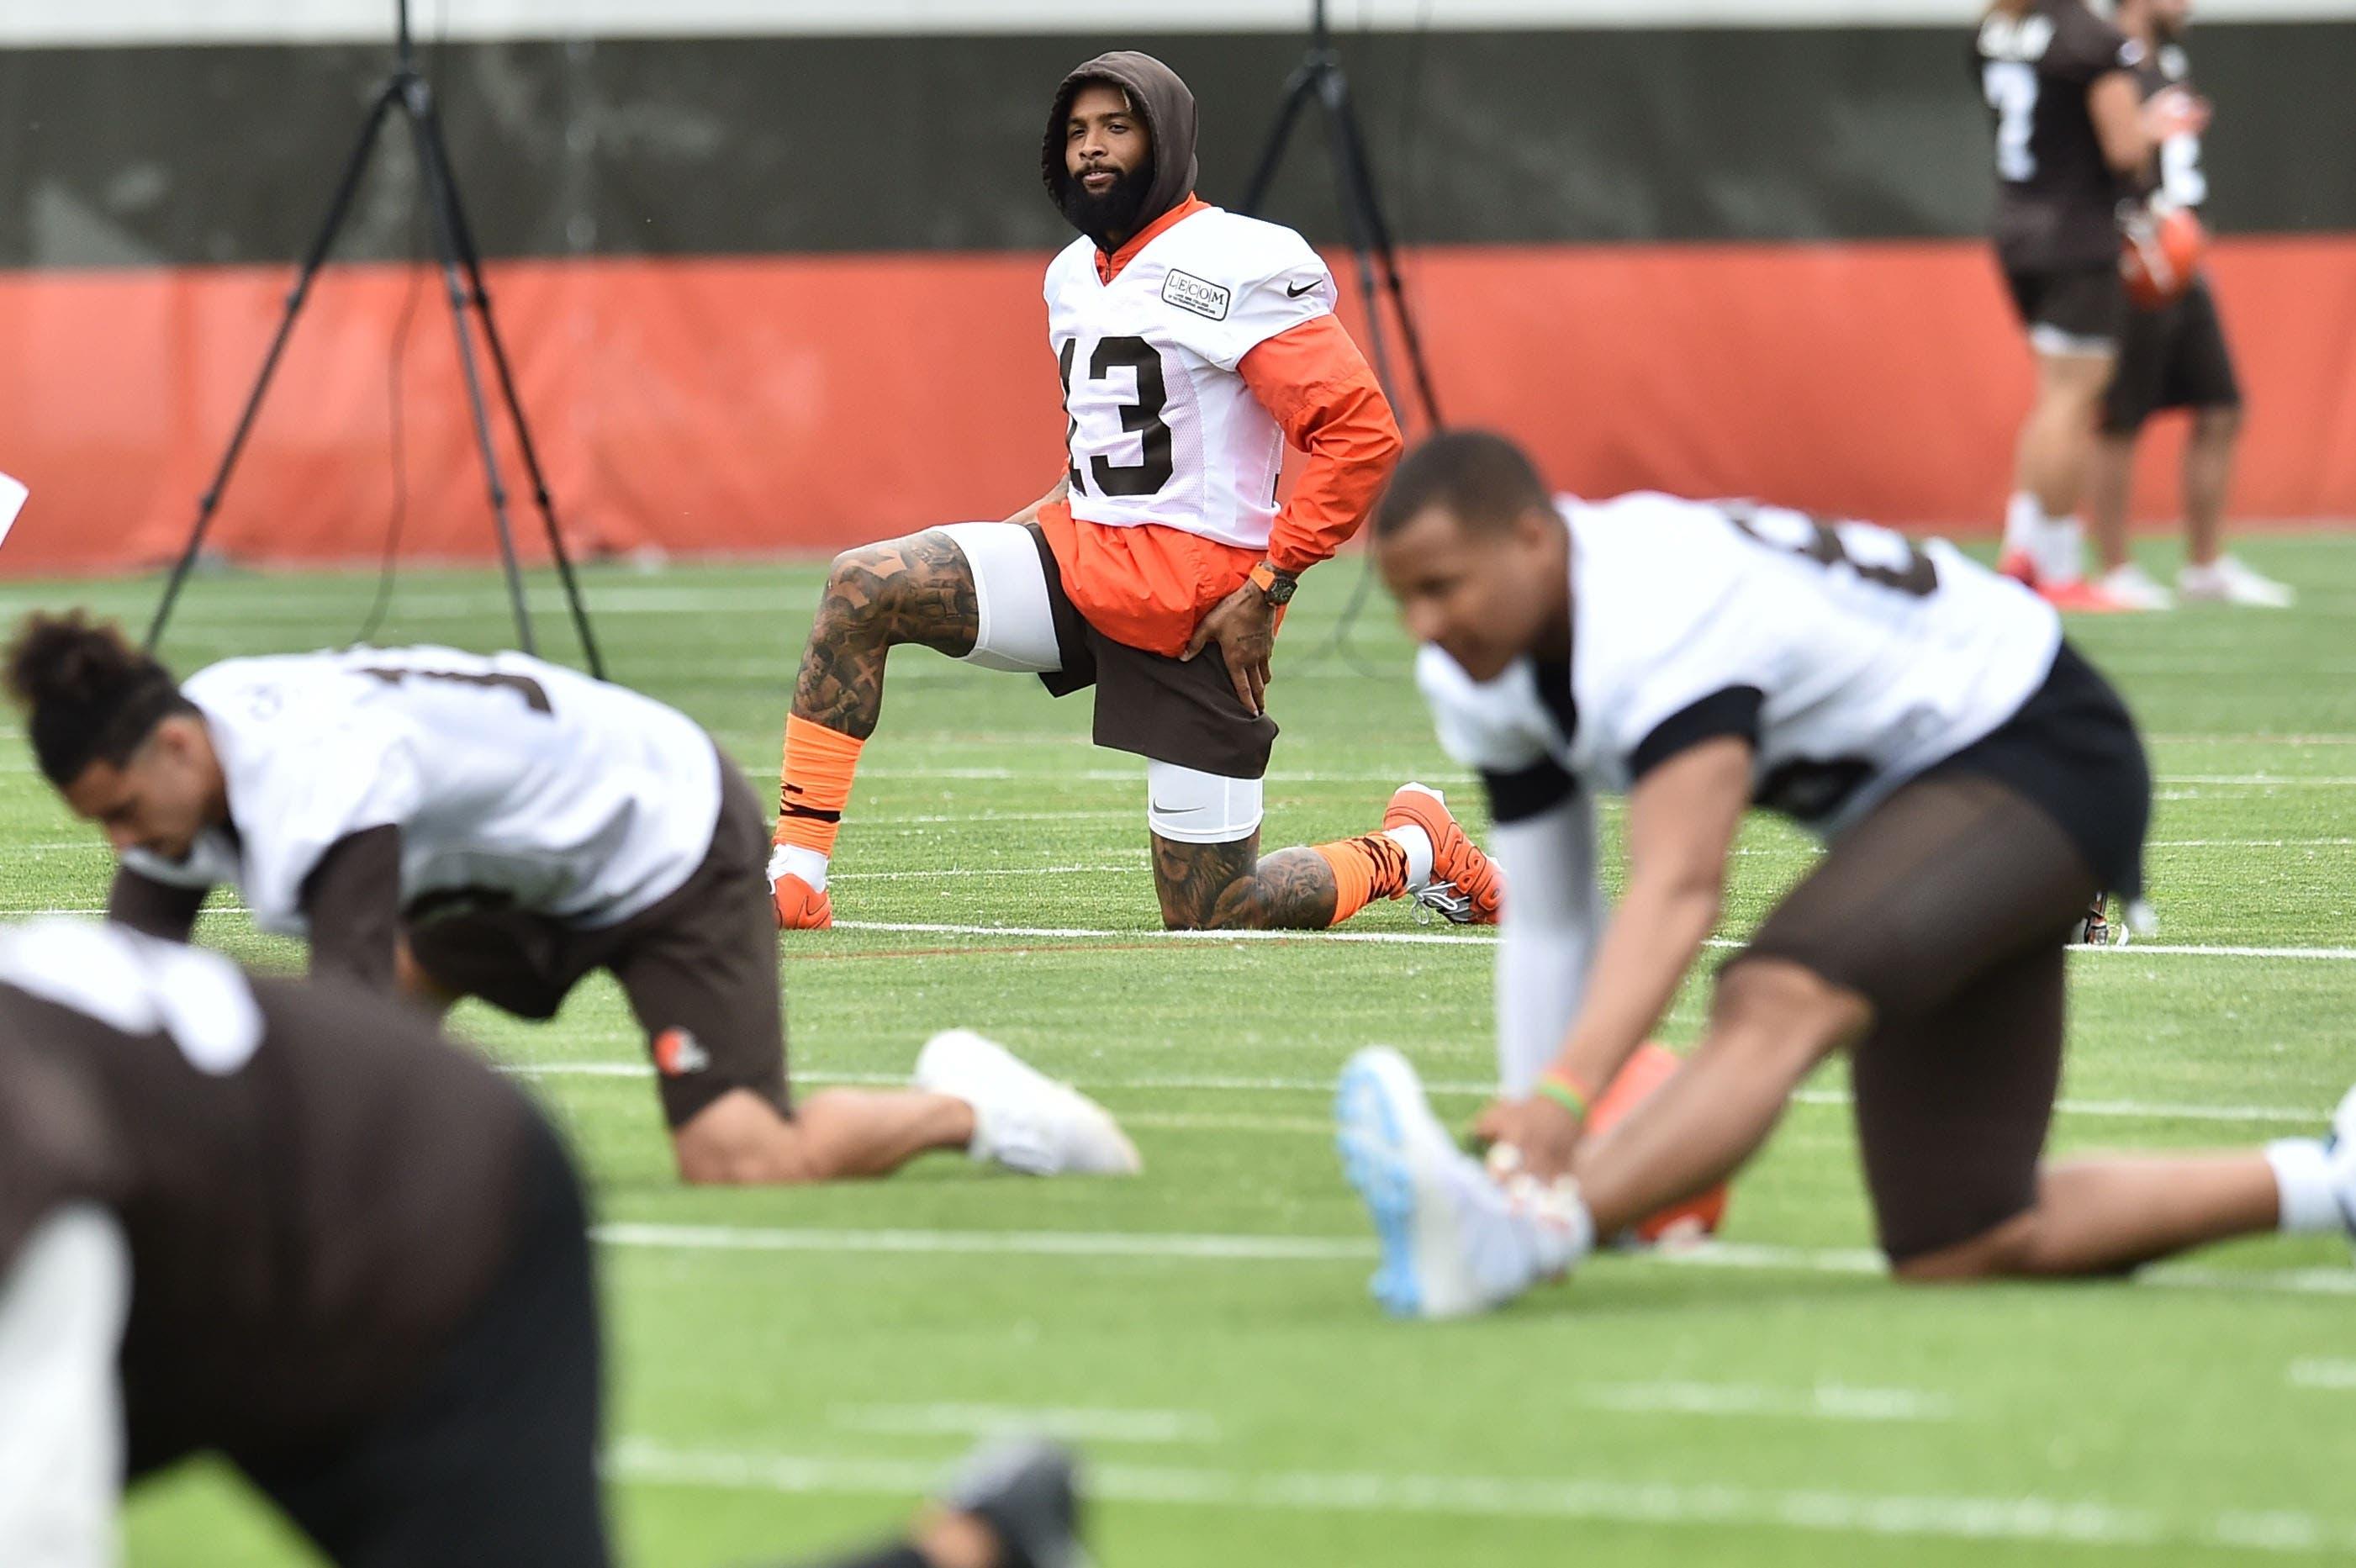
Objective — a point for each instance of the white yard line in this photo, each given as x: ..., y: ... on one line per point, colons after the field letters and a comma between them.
x: 2246, y: 843
x: 1066, y: 1424
x: 1195, y: 1247
x: 1132, y: 870
x: 1447, y: 778
x: 2337, y: 1376
x: 2173, y: 737
x: 2132, y: 1110
x: 1825, y: 1401
x: 1435, y: 938
x: 1603, y: 1499
x: 2258, y: 781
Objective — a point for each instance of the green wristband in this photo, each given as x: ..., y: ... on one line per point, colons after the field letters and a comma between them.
x: 1563, y: 1094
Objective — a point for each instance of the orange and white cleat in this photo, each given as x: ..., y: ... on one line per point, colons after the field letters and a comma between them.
x: 2081, y: 597
x: 1465, y: 887
x: 799, y: 906
x: 2018, y: 565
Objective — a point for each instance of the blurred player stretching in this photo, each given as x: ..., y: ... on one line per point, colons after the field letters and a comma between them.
x: 1192, y: 344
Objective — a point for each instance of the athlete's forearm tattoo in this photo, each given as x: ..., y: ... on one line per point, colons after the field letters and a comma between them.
x: 1227, y: 886
x: 913, y: 589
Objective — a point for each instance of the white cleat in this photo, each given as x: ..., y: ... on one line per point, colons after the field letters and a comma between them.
x: 2135, y: 589
x: 1451, y: 1247
x: 2226, y: 580
x: 1022, y: 1119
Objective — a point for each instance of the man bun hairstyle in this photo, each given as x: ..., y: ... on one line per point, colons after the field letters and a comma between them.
x: 1483, y: 480
x: 88, y: 695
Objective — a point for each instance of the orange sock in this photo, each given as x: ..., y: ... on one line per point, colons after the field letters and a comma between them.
x: 814, y: 785
x: 1366, y: 869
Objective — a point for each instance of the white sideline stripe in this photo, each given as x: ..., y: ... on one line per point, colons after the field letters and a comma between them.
x: 1066, y: 1424
x: 2339, y: 1376
x: 2135, y: 1110
x: 1087, y: 933
x: 1607, y: 1499
x: 1825, y: 1401
x: 832, y: 877
x: 1195, y: 1247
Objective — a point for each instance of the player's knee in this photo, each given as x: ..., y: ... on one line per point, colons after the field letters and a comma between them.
x: 859, y: 585
x: 2008, y: 1251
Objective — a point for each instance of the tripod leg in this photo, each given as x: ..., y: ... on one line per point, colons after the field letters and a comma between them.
x: 1297, y: 90
x: 338, y: 207
x: 480, y: 296
x: 1363, y: 208
x: 1332, y: 97
x: 418, y: 104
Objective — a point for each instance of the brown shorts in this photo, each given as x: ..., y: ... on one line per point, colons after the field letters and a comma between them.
x: 1182, y: 712
x: 699, y: 967
x: 1948, y: 908
x: 2077, y: 306
x: 2172, y: 357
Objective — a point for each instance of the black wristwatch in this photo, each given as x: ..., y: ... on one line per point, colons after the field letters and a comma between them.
x: 1275, y: 587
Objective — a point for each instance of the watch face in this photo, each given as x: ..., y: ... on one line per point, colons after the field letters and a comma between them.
x: 1280, y: 591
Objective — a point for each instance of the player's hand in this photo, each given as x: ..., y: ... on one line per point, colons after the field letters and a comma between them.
x: 2175, y: 111
x: 1244, y: 626
x: 1545, y: 1133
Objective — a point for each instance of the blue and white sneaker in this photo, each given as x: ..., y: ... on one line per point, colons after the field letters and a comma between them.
x: 1451, y: 1244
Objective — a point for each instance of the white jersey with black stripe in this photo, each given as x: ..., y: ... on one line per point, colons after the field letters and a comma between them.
x: 1850, y: 656
x: 507, y: 776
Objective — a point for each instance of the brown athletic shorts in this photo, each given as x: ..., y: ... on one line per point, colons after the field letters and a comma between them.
x: 1948, y: 908
x: 1182, y: 712
x: 699, y: 967
x: 2081, y: 305
x: 2172, y: 357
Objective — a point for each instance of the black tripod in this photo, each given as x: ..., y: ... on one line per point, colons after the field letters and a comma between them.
x: 1319, y: 77
x: 462, y: 275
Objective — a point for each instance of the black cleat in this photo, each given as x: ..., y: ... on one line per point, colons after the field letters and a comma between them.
x: 1026, y: 1490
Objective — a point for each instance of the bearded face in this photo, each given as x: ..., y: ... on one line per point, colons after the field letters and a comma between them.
x: 1105, y: 209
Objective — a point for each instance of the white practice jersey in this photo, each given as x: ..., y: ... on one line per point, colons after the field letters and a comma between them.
x: 1162, y: 429
x: 1850, y: 656
x: 579, y: 799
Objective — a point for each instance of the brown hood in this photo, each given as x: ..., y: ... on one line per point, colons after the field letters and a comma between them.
x: 1169, y: 111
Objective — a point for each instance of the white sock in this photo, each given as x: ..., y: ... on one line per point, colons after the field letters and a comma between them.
x: 792, y: 859
x: 1562, y: 1232
x: 2304, y: 1173
x: 1417, y: 845
x: 2061, y: 558
x: 1553, y: 1220
x: 2024, y: 523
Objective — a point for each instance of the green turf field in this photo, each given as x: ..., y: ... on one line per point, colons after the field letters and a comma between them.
x: 791, y: 1368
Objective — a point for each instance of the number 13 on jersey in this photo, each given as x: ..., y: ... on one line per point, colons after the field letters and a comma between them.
x: 1113, y: 403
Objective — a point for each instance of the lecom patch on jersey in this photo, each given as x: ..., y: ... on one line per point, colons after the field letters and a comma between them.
x: 1190, y: 292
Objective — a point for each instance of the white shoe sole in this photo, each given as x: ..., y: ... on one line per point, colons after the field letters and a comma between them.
x: 1390, y: 1143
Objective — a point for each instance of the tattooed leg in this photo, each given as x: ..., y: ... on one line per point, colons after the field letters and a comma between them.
x: 1227, y: 886
x: 913, y: 589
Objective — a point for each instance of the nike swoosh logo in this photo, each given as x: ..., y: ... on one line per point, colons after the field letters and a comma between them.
x: 1291, y: 293
x: 1175, y: 810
